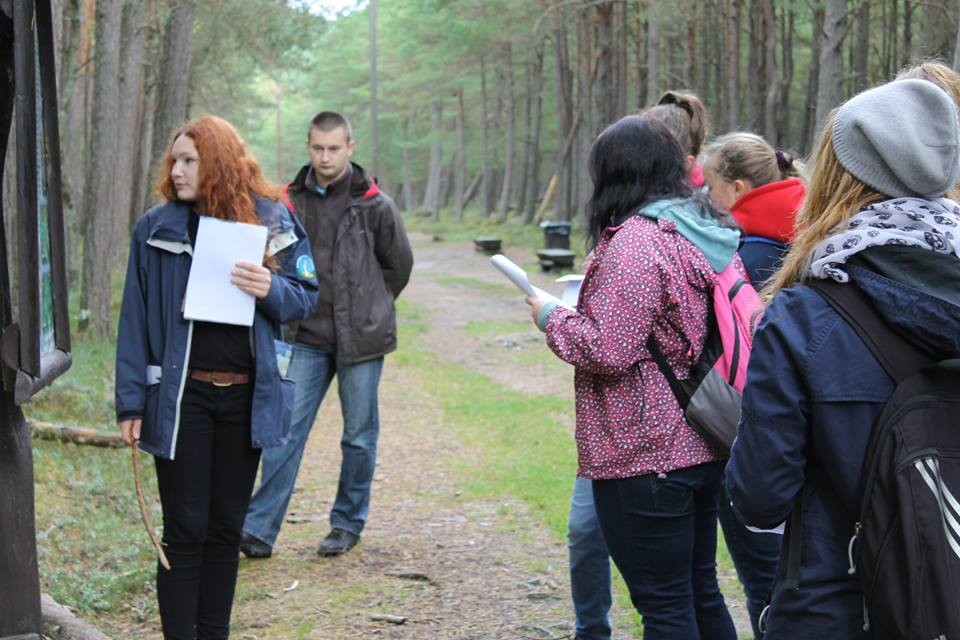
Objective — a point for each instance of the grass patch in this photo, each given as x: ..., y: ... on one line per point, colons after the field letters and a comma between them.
x: 84, y: 394
x: 475, y: 283
x: 93, y: 552
x: 485, y: 328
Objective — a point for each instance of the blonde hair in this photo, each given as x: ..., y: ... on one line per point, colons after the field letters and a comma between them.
x: 936, y: 72
x: 685, y: 116
x: 833, y: 197
x: 746, y: 156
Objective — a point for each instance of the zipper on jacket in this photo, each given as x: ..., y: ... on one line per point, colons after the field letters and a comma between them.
x: 183, y: 384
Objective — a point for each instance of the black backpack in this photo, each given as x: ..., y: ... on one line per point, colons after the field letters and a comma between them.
x: 905, y: 550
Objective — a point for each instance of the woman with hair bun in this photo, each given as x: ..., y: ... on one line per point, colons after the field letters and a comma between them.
x: 762, y: 188
x: 204, y: 398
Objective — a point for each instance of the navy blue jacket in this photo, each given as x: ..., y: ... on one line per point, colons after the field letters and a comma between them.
x: 153, y: 338
x: 813, y: 394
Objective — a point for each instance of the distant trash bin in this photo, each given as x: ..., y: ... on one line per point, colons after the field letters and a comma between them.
x: 556, y: 235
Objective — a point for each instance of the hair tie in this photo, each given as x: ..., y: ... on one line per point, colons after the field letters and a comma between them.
x: 784, y: 161
x: 669, y: 98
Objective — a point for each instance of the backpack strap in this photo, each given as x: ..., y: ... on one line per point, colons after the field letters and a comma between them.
x: 897, y: 356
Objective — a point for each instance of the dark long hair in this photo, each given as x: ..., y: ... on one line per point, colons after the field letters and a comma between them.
x: 635, y: 161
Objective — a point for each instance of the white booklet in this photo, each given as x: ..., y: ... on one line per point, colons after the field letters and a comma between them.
x: 518, y: 276
x: 210, y: 294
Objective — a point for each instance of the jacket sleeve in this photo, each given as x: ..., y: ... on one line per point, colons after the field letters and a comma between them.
x: 132, y: 344
x: 767, y: 462
x: 612, y: 338
x: 293, y: 288
x: 393, y: 247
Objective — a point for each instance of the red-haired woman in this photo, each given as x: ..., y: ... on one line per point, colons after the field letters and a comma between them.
x: 204, y: 398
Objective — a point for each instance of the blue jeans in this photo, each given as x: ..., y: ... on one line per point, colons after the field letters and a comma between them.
x: 313, y: 368
x: 661, y: 530
x: 755, y: 556
x: 589, y: 565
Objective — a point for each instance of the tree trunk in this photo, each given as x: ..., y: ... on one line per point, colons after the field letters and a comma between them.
x: 861, y: 49
x: 640, y: 65
x: 653, y: 52
x: 174, y: 79
x: 810, y: 111
x: 485, y: 204
x: 460, y: 166
x: 533, y: 175
x: 132, y: 49
x: 505, y: 187
x: 830, y: 80
x: 431, y: 195
x: 906, y: 53
x: 770, y: 102
x: 374, y: 105
x: 605, y: 92
x: 564, y: 95
x: 580, y: 178
x: 99, y: 213
x: 407, y: 187
x: 622, y: 49
x: 733, y: 64
x: 786, y: 80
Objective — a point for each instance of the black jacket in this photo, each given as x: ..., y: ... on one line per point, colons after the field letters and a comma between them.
x: 372, y: 261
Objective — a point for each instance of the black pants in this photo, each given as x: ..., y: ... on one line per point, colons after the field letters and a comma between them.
x: 204, y: 492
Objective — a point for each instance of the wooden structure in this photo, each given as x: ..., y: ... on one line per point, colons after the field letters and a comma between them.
x: 35, y: 339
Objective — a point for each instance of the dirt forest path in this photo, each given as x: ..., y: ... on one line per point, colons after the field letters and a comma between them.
x: 452, y: 567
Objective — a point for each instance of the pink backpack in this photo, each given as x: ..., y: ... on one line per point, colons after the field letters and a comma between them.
x: 710, y: 397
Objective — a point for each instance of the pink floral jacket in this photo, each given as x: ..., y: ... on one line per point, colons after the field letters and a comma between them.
x: 644, y: 277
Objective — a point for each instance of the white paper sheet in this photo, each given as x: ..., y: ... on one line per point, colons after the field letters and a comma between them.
x: 210, y: 294
x: 519, y: 277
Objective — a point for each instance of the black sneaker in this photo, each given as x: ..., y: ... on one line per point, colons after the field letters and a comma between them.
x: 337, y: 542
x: 254, y: 547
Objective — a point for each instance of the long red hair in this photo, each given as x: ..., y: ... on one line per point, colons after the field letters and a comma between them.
x: 229, y: 175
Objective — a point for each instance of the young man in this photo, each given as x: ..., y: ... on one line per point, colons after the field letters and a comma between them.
x: 363, y: 261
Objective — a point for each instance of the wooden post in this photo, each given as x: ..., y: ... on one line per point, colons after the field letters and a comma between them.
x: 27, y: 366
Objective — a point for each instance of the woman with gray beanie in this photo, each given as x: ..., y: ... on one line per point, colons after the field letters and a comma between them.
x: 874, y: 219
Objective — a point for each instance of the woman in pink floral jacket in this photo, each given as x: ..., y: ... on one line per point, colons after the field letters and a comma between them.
x: 656, y: 250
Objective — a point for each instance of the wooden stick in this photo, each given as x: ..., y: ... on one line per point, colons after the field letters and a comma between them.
x: 143, y: 507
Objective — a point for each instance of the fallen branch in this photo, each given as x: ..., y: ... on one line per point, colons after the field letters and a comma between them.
x: 60, y: 624
x: 74, y: 434
x: 135, y: 449
x: 386, y: 617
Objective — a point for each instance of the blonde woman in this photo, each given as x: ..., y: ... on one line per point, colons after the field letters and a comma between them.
x: 873, y: 219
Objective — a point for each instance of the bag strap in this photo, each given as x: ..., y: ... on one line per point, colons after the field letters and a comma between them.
x: 675, y: 386
x: 898, y: 357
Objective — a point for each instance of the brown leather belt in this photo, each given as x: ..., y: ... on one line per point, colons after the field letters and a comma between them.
x: 220, y: 378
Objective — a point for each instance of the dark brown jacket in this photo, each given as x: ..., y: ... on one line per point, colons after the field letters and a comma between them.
x: 372, y: 260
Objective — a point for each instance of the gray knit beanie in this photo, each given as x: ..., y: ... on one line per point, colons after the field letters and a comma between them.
x: 901, y: 138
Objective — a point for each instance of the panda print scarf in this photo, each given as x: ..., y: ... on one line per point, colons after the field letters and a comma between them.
x: 916, y: 222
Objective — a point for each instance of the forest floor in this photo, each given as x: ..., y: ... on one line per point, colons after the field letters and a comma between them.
x: 449, y: 560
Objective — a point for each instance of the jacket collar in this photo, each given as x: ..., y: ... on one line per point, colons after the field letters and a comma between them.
x: 363, y: 187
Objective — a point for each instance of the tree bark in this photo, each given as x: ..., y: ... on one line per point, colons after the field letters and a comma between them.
x: 509, y: 110
x: 580, y: 178
x: 374, y: 105
x: 733, y: 64
x: 99, y: 213
x: 653, y: 52
x: 431, y: 195
x: 906, y: 52
x: 770, y: 102
x: 810, y: 110
x: 605, y: 92
x: 485, y: 204
x: 407, y: 187
x: 564, y: 96
x: 172, y: 108
x: 132, y: 49
x: 533, y: 175
x: 830, y: 79
x: 786, y: 80
x: 460, y: 167
x: 861, y: 48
